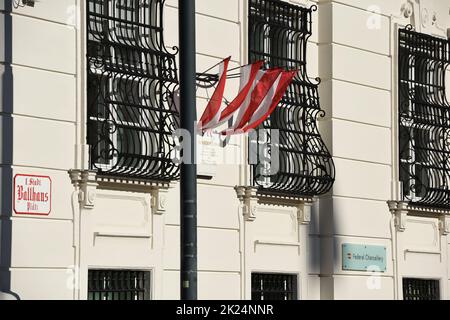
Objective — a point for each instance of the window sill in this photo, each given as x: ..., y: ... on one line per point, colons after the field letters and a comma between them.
x: 88, y: 182
x: 251, y: 199
x: 129, y: 184
x: 403, y: 209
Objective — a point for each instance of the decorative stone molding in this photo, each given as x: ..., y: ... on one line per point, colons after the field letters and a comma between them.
x: 125, y: 184
x: 86, y: 182
x: 424, y: 17
x: 159, y: 200
x: 304, y: 213
x: 444, y: 225
x: 402, y: 210
x: 407, y: 9
x: 251, y: 198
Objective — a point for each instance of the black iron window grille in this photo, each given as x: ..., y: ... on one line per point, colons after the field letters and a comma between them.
x: 278, y: 33
x: 424, y: 118
x: 118, y: 285
x: 266, y: 286
x: 131, y: 78
x: 420, y: 289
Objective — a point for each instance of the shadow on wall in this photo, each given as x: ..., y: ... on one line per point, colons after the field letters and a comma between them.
x: 6, y: 137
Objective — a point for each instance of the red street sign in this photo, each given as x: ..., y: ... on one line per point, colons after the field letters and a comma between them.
x: 32, y: 194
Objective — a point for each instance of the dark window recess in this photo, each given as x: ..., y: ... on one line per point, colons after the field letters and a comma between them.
x: 266, y: 286
x: 418, y: 289
x: 118, y: 285
x: 297, y: 160
x: 424, y: 118
x: 131, y: 78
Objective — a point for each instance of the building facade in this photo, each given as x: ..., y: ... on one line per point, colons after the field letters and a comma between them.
x: 358, y: 208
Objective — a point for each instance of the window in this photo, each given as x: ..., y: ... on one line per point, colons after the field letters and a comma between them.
x: 118, y: 285
x: 278, y: 33
x: 419, y: 289
x: 266, y: 286
x: 424, y: 113
x: 131, y: 77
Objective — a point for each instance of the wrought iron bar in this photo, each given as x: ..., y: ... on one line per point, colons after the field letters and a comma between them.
x: 131, y: 79
x: 118, y: 285
x: 424, y: 113
x: 267, y: 286
x: 279, y: 33
x: 420, y: 289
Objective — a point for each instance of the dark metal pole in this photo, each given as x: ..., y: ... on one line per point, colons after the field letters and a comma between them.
x: 188, y: 188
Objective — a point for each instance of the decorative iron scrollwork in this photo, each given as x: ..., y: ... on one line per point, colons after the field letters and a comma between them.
x: 131, y: 78
x: 278, y: 34
x: 424, y: 118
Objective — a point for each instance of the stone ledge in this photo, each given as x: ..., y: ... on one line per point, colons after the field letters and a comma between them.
x: 87, y: 182
x: 251, y: 198
x: 402, y: 210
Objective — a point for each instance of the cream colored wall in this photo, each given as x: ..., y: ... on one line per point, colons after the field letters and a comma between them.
x: 43, y: 63
x: 123, y: 230
x: 219, y: 35
x: 230, y: 251
x: 356, y: 212
x: 357, y: 50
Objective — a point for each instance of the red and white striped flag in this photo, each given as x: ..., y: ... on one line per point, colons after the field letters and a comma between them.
x: 248, y: 75
x: 259, y: 94
x: 214, y: 106
x: 270, y: 102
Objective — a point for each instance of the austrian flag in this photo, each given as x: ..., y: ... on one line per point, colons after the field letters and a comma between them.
x: 259, y: 94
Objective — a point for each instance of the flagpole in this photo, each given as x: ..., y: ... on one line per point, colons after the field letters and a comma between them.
x: 188, y: 183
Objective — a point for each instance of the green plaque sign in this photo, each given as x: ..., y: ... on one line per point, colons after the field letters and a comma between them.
x: 356, y: 257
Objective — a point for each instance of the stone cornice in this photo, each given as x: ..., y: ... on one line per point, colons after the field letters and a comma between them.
x: 402, y: 210
x: 118, y: 183
x: 88, y: 183
x: 251, y: 198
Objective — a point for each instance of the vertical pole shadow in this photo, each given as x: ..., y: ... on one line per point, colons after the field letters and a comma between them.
x: 6, y: 156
